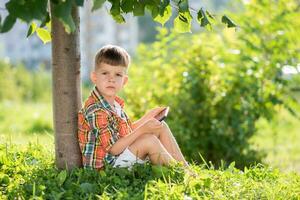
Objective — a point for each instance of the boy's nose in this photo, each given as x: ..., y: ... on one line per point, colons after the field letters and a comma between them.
x: 111, y: 78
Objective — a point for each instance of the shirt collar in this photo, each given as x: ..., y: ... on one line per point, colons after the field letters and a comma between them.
x: 99, y: 97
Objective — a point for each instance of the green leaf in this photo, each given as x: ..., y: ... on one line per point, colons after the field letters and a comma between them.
x: 138, y: 9
x: 159, y: 171
x: 102, y: 173
x: 4, y: 179
x: 154, y: 9
x: 46, y: 20
x: 291, y: 110
x: 210, y: 15
x: 165, y: 17
x: 32, y: 29
x: 115, y: 7
x: 44, y: 35
x: 228, y: 21
x: 63, y: 11
x: 62, y: 177
x: 163, y: 6
x: 87, y: 187
x: 202, y: 18
x: 231, y: 166
x: 97, y: 4
x: 58, y: 196
x: 79, y: 2
x: 119, y: 19
x: 127, y: 5
x: 183, y: 6
x: 8, y: 23
x: 182, y: 23
x: 115, y: 11
x: 27, y: 10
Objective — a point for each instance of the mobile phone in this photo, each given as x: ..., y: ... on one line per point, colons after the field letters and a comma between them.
x: 162, y: 115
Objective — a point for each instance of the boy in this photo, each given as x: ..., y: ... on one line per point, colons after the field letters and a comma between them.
x: 105, y: 133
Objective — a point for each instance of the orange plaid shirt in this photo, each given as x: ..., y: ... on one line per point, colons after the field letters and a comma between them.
x: 99, y: 127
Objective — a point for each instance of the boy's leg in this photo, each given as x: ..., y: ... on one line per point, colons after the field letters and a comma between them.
x: 168, y: 140
x: 150, y: 145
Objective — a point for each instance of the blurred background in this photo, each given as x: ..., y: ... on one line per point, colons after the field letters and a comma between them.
x: 234, y: 93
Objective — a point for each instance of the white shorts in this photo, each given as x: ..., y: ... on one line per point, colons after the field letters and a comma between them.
x: 128, y: 159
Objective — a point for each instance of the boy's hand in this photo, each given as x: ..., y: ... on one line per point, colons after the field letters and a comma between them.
x: 148, y: 116
x: 152, y: 125
x: 152, y: 113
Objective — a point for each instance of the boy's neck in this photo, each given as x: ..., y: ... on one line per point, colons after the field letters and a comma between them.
x: 110, y: 100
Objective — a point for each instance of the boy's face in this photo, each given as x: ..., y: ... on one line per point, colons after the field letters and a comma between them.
x: 109, y: 79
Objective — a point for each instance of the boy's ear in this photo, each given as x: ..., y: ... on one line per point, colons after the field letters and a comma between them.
x: 125, y: 80
x: 93, y: 76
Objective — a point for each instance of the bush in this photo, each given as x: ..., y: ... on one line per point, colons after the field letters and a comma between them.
x: 213, y: 108
x: 20, y: 84
x: 8, y: 87
x: 218, y: 85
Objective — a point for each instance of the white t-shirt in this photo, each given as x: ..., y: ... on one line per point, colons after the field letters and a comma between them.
x: 118, y: 108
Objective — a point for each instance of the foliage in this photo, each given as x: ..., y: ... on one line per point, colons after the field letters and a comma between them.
x: 18, y: 83
x: 35, y: 118
x: 218, y: 86
x: 32, y: 10
x: 279, y: 139
x: 7, y: 82
x: 30, y: 174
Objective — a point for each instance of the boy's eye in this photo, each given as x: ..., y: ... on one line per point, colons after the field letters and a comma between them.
x: 104, y: 73
x: 119, y: 74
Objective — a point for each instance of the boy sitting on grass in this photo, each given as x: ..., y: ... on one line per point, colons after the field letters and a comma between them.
x: 106, y: 134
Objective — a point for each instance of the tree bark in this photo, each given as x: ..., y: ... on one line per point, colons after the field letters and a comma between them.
x: 66, y: 92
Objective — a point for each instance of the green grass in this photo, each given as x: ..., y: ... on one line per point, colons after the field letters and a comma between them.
x: 29, y: 173
x: 21, y: 123
x: 279, y: 139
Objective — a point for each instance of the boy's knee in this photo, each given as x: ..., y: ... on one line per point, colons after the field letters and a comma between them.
x: 150, y: 140
x: 163, y: 130
x: 165, y: 125
x: 145, y: 136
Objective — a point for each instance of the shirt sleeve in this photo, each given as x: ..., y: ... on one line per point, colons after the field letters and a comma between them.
x: 105, y: 134
x: 97, y: 140
x: 86, y: 141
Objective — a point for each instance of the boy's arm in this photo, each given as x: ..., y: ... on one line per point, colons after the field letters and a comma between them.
x: 150, y: 114
x: 138, y: 123
x: 125, y: 141
x: 151, y: 125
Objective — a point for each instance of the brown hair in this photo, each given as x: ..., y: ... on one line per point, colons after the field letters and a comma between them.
x: 112, y: 55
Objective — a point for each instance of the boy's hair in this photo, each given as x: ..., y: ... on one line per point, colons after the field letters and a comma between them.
x: 112, y: 55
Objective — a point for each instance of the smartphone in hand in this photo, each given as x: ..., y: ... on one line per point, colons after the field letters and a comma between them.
x: 162, y: 115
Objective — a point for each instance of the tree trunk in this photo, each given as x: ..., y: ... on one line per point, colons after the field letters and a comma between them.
x: 66, y: 92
